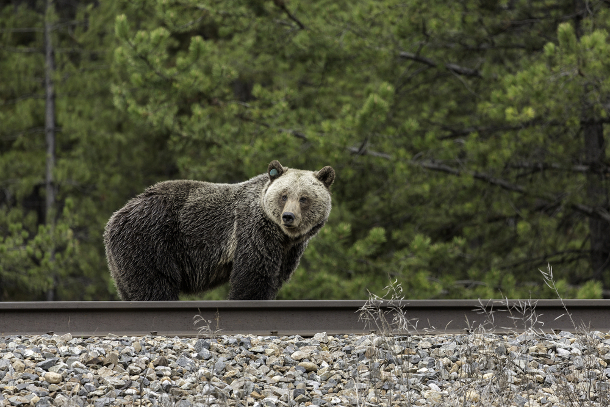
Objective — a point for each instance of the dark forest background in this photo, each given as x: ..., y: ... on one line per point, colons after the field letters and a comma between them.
x: 469, y: 137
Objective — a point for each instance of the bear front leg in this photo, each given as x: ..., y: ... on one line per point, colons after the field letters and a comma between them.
x: 293, y: 256
x: 291, y: 261
x: 255, y: 274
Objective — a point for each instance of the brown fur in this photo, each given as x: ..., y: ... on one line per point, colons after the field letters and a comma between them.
x: 191, y: 236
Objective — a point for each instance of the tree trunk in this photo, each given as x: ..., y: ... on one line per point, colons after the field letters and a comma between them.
x: 597, y: 188
x: 49, y: 134
x: 597, y: 196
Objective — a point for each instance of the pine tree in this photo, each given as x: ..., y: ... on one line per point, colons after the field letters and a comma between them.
x: 99, y: 160
x: 445, y: 177
x: 468, y: 138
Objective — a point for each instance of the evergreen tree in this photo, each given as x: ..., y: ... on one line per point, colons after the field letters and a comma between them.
x: 469, y: 138
x: 100, y: 159
x: 415, y: 104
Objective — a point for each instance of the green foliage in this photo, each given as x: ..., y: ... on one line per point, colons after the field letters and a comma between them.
x: 461, y: 136
x: 348, y: 274
x: 100, y: 159
x: 590, y: 289
x: 29, y: 262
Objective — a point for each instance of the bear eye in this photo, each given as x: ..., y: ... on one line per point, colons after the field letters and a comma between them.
x: 303, y: 200
x: 284, y: 197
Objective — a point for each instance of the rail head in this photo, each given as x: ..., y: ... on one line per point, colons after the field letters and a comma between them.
x: 302, y: 317
x: 290, y: 304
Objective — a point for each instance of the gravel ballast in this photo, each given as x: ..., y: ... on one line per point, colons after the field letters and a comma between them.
x: 345, y: 370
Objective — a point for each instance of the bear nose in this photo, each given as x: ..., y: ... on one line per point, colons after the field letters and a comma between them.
x: 288, y: 217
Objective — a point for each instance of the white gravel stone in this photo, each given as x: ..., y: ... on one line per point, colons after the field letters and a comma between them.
x: 53, y: 378
x: 342, y: 370
x: 298, y: 355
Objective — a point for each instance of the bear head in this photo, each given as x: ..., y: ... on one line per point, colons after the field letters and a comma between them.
x: 297, y: 200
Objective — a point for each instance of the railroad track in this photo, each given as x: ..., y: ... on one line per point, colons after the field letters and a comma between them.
x: 305, y: 318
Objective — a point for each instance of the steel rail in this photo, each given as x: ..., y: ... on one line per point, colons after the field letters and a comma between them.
x: 305, y: 318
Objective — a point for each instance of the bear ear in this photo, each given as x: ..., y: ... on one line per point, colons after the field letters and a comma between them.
x: 275, y: 170
x: 326, y: 175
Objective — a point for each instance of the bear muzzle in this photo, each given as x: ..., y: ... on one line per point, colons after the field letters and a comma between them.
x: 288, y: 219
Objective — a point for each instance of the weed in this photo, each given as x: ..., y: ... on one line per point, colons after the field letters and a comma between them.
x: 525, y: 367
x: 205, y: 326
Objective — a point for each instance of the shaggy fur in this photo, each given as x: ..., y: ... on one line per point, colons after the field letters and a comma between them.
x: 191, y: 236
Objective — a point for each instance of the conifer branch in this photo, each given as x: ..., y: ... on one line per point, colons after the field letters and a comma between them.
x: 595, y: 212
x: 22, y: 30
x: 436, y: 166
x: 52, y: 27
x: 33, y: 130
x: 23, y: 50
x: 296, y: 133
x: 151, y: 66
x: 457, y: 132
x: 591, y: 211
x: 282, y: 5
x: 417, y: 58
x: 24, y: 97
x: 576, y: 254
x: 541, y: 166
x: 458, y: 69
x: 358, y: 151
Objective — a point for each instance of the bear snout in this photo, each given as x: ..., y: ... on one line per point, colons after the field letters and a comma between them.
x: 288, y: 218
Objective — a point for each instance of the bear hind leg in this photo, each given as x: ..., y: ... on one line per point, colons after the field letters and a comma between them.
x: 157, y: 290
x: 152, y: 285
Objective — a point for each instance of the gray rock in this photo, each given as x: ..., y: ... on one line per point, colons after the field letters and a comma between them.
x: 19, y: 401
x: 297, y: 392
x: 269, y: 402
x: 429, y: 362
x: 111, y: 359
x: 104, y: 401
x: 288, y: 361
x: 202, y: 372
x: 47, y: 364
x: 219, y: 367
x: 520, y: 400
x: 160, y: 361
x: 301, y: 398
x: 44, y: 402
x: 202, y: 344
x: 71, y: 360
x: 185, y: 362
x: 500, y: 350
x: 29, y: 376
x: 76, y: 402
x: 245, y: 341
x: 204, y: 354
x: 321, y: 337
x: 166, y: 385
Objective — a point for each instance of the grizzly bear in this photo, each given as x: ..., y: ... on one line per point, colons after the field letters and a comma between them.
x: 191, y: 236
